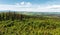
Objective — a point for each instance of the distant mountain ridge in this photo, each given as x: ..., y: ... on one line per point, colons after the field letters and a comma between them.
x: 34, y: 13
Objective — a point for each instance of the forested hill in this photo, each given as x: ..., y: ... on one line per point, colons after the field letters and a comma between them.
x: 21, y: 15
x: 17, y: 23
x: 14, y: 16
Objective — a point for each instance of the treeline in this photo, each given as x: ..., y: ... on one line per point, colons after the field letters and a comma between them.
x: 14, y: 16
x: 10, y: 15
x: 17, y: 16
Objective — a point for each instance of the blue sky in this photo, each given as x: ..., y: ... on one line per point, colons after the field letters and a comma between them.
x: 32, y: 1
x: 18, y: 1
x: 31, y: 5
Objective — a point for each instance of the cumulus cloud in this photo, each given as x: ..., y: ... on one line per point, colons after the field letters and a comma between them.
x: 27, y: 6
x: 24, y: 4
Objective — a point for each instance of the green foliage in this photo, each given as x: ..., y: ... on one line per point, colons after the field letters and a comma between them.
x: 12, y: 23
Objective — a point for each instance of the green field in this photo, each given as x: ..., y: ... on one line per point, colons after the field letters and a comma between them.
x: 12, y: 23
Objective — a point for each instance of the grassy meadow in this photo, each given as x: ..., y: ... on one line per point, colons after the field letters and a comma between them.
x: 12, y: 23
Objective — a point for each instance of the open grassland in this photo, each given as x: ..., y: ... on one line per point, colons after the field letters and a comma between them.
x: 20, y: 24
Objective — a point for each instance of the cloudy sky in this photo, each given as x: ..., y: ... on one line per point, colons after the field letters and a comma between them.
x: 30, y: 5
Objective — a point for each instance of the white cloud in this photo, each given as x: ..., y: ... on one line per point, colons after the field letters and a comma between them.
x: 22, y: 3
x: 27, y: 6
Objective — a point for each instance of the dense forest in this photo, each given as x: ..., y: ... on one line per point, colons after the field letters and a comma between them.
x: 13, y: 23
